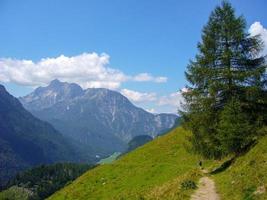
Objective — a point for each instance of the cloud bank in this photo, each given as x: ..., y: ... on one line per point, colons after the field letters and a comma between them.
x: 90, y: 70
x: 147, y: 77
x: 139, y: 96
x: 156, y: 103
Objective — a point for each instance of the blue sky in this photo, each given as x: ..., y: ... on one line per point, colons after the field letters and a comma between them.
x: 147, y: 43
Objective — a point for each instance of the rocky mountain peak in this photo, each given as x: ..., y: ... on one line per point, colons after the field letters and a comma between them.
x: 56, y: 91
x: 97, y: 117
x: 56, y: 82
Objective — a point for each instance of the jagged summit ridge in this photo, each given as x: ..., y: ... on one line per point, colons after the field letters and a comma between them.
x: 97, y: 117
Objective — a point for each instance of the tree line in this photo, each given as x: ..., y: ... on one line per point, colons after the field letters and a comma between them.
x: 42, y: 181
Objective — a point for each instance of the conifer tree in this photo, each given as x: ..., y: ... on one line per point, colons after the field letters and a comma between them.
x: 234, y: 128
x: 228, y: 68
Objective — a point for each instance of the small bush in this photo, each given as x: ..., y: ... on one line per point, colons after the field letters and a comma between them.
x: 188, y: 184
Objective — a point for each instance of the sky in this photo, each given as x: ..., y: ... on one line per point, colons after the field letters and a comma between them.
x: 138, y: 47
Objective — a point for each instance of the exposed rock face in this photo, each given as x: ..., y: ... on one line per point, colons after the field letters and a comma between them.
x: 100, y: 118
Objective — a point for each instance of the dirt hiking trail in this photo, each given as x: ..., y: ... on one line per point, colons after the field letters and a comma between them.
x: 206, y: 190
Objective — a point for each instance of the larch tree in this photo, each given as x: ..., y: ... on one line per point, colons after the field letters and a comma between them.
x: 229, y: 70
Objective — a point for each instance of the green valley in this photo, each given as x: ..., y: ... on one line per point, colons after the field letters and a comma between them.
x: 110, y: 158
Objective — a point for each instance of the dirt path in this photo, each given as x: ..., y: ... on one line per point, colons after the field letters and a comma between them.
x: 206, y: 190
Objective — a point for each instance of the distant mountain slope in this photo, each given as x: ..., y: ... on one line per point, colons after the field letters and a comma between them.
x: 99, y: 118
x: 27, y: 141
x: 138, y: 141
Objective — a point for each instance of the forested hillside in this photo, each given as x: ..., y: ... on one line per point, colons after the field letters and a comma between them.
x: 42, y: 181
x: 26, y: 141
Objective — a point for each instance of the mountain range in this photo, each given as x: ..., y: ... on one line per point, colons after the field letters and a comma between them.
x: 27, y: 141
x: 64, y: 123
x: 99, y: 121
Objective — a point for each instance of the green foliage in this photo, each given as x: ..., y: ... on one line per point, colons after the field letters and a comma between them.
x: 248, y: 193
x: 40, y: 182
x: 228, y: 68
x: 188, y: 184
x: 16, y: 193
x: 235, y: 130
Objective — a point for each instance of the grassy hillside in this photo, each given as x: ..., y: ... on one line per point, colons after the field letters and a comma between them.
x: 164, y: 169
x: 154, y: 171
x: 246, y: 179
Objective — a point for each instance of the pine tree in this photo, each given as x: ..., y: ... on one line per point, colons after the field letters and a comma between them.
x: 234, y: 129
x: 228, y: 66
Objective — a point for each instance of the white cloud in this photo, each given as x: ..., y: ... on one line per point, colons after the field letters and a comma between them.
x: 257, y: 29
x: 149, y: 77
x: 139, y: 96
x: 173, y: 99
x: 87, y: 69
x: 160, y: 103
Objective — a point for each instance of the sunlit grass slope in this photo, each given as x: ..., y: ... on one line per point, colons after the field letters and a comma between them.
x: 158, y: 169
x: 246, y: 179
x: 153, y: 171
